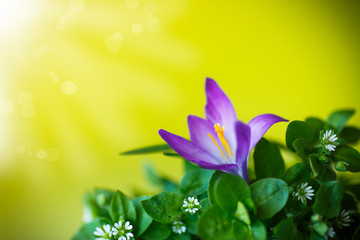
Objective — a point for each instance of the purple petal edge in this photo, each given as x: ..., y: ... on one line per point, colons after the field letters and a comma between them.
x: 191, y: 152
x: 259, y: 126
x: 243, y: 136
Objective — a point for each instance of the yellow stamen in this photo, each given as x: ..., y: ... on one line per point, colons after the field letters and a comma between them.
x: 217, y: 145
x: 220, y: 133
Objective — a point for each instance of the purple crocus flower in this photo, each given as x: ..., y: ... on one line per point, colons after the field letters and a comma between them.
x: 220, y: 141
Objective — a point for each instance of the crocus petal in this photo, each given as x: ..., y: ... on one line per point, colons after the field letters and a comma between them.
x: 260, y: 124
x: 199, y: 129
x: 193, y: 153
x: 219, y: 109
x: 243, y: 136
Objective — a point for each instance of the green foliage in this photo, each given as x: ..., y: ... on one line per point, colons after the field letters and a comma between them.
x: 338, y: 119
x: 163, y: 207
x: 147, y: 150
x: 296, y: 130
x: 270, y: 196
x: 268, y: 160
x: 214, y: 224
x: 195, y: 181
x: 328, y: 199
x: 279, y: 203
x: 121, y: 206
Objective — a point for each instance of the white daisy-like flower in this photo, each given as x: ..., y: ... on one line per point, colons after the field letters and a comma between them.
x: 328, y: 140
x: 330, y: 233
x: 343, y: 219
x: 191, y: 205
x: 123, y: 229
x: 178, y: 227
x: 103, y: 233
x: 303, y: 192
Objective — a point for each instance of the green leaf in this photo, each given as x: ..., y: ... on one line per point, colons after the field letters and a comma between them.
x: 195, y: 182
x: 121, y: 206
x: 242, y: 213
x: 258, y: 230
x: 317, y: 167
x: 242, y: 231
x: 214, y: 224
x: 349, y: 156
x: 301, y: 148
x: 350, y: 134
x: 329, y: 175
x: 211, y: 187
x: 317, y: 125
x: 255, y: 231
x: 320, y: 228
x: 184, y: 236
x: 268, y: 161
x: 146, y: 150
x: 356, y: 235
x: 143, y: 220
x: 229, y: 189
x: 205, y: 204
x: 298, y: 129
x: 270, y: 196
x: 163, y: 207
x: 191, y: 223
x: 86, y: 232
x: 296, y: 174
x: 286, y: 229
x: 190, y: 166
x: 157, y: 231
x: 328, y: 199
x: 339, y: 119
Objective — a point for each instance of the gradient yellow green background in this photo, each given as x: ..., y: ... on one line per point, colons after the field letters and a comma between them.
x: 82, y: 80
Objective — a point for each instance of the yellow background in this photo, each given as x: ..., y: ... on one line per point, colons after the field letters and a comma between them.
x: 81, y: 81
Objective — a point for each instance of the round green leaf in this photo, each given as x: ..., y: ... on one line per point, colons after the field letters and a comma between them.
x: 350, y: 157
x: 229, y: 189
x: 268, y: 161
x: 143, y: 220
x: 328, y: 199
x: 350, y: 134
x: 286, y: 229
x: 214, y: 225
x: 195, y: 182
x: 258, y: 230
x: 157, y: 231
x: 296, y: 174
x: 163, y: 207
x: 298, y: 129
x: 121, y: 206
x: 242, y: 231
x: 270, y: 196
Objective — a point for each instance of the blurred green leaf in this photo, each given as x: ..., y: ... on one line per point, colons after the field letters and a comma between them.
x: 150, y: 149
x: 143, y: 220
x: 338, y: 119
x: 86, y: 232
x: 298, y: 129
x: 301, y: 148
x: 317, y: 125
x: 157, y: 231
x: 329, y: 175
x: 184, y: 236
x: 270, y: 196
x: 328, y: 199
x: 205, y: 204
x: 320, y: 228
x: 163, y: 207
x: 268, y: 160
x: 242, y: 230
x: 351, y: 135
x: 317, y: 167
x: 214, y: 224
x: 195, y: 182
x: 229, y: 189
x: 122, y: 206
x: 296, y: 174
x: 211, y: 187
x: 258, y: 230
x: 286, y: 229
x: 190, y: 166
x: 350, y: 156
x: 356, y: 235
x: 242, y: 214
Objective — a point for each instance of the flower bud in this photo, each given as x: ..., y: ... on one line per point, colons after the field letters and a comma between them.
x: 323, y: 159
x: 341, y: 166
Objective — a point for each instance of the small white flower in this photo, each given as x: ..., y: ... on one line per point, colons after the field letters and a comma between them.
x: 330, y: 233
x: 343, y: 219
x: 178, y: 227
x: 123, y: 230
x: 303, y: 192
x: 103, y: 233
x: 328, y: 140
x: 191, y: 205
